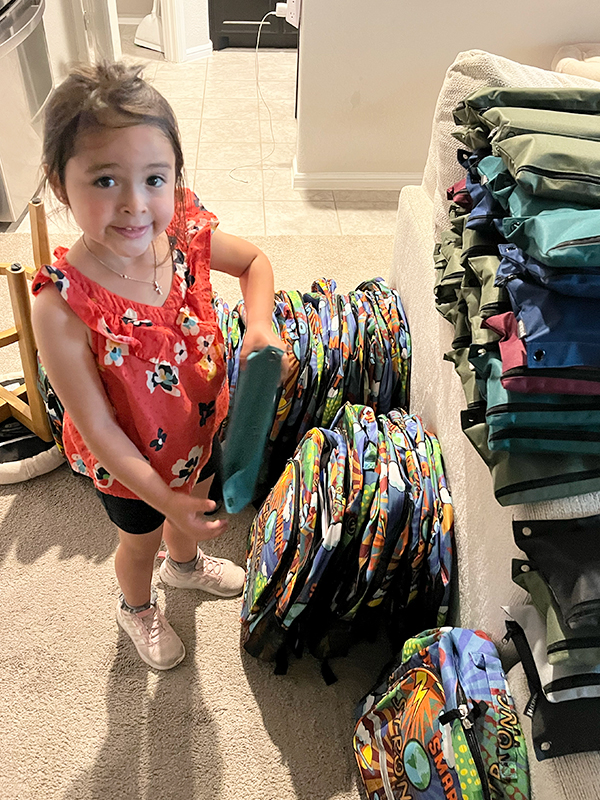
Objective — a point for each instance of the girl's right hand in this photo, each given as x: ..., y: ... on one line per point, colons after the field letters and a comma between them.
x: 187, y: 514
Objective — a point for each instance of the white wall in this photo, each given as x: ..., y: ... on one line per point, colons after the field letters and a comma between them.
x: 63, y: 23
x: 133, y: 8
x: 197, y: 37
x: 369, y: 75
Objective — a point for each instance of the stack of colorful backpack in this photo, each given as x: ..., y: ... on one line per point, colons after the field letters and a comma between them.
x: 342, y: 348
x: 518, y: 277
x: 358, y: 530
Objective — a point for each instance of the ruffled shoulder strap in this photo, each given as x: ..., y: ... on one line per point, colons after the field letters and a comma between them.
x: 197, y: 220
x: 44, y: 275
x: 192, y: 261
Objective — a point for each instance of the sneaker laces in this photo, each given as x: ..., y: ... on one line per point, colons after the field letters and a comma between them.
x: 210, y: 567
x: 151, y: 622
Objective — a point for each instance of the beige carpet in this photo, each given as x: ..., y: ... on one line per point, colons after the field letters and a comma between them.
x: 82, y: 718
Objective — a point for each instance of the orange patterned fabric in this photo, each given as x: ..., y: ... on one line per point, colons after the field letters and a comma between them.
x: 163, y: 368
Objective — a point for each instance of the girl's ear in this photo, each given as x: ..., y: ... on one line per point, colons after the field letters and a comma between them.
x: 56, y: 186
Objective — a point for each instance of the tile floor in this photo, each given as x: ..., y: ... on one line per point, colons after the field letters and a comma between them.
x: 238, y: 147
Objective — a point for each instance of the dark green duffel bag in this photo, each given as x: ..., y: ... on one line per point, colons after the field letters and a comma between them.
x: 558, y: 98
x: 531, y: 477
x: 464, y: 370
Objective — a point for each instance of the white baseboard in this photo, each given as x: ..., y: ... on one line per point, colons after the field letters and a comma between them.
x: 196, y: 53
x: 131, y: 20
x: 354, y: 180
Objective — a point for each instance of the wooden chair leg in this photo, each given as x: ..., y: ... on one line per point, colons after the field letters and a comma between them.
x: 33, y: 414
x: 39, y: 233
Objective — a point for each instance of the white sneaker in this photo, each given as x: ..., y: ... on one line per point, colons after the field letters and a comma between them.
x: 154, y: 639
x: 219, y: 576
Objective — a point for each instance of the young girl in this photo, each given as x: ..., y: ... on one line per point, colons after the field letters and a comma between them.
x: 129, y: 339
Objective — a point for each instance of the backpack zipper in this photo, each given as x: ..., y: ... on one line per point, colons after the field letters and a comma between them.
x: 467, y: 722
x: 557, y: 173
x: 575, y: 243
x: 551, y: 435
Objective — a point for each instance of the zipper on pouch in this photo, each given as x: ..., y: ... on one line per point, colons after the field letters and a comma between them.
x: 557, y: 173
x: 575, y: 243
x: 467, y: 720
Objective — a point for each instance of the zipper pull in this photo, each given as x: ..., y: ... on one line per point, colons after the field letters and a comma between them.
x: 464, y: 716
x: 502, y: 281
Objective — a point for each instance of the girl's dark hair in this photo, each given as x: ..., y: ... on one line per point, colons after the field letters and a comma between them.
x: 106, y: 95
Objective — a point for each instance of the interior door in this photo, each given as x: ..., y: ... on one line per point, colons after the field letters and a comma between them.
x: 234, y: 23
x: 101, y: 25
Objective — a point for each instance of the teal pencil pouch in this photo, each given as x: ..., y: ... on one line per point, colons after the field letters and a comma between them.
x: 251, y: 421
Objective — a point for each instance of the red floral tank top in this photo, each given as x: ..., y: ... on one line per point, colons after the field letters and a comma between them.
x: 163, y: 368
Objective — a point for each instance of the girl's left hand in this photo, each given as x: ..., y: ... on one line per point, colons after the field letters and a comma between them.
x: 257, y: 337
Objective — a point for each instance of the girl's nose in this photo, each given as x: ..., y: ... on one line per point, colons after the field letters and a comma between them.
x: 133, y: 201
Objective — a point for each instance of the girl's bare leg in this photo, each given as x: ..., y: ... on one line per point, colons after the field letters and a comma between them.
x: 134, y: 564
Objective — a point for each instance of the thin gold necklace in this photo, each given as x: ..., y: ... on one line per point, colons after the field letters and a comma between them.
x: 153, y: 282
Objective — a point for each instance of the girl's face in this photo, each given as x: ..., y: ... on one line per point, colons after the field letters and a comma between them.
x: 120, y: 187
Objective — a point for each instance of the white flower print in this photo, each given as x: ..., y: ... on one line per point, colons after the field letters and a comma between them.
x: 102, y: 478
x: 59, y: 279
x: 181, y: 352
x: 182, y: 271
x: 131, y: 317
x: 165, y: 375
x: 185, y: 468
x: 194, y: 225
x: 205, y: 343
x: 116, y: 351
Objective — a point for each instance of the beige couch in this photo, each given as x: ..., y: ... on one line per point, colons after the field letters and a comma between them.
x: 483, y: 528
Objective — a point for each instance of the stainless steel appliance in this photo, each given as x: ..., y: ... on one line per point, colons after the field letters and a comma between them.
x: 25, y: 83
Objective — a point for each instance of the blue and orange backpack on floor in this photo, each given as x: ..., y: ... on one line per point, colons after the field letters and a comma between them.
x: 443, y: 726
x: 355, y: 536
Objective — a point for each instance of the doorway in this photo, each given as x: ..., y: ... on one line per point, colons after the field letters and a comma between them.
x: 234, y: 23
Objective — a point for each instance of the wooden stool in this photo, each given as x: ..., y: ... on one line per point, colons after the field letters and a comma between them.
x: 32, y: 412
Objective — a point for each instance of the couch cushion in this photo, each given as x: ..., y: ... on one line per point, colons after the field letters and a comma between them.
x: 471, y: 70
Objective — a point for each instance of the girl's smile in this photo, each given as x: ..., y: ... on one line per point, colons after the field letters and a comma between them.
x: 132, y: 233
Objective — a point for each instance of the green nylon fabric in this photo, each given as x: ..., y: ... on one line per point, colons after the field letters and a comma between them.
x: 557, y: 98
x: 251, y: 421
x: 466, y: 373
x: 559, y: 238
x: 532, y: 477
x: 496, y: 176
x: 504, y: 123
x: 580, y: 647
x: 554, y: 167
x: 526, y: 423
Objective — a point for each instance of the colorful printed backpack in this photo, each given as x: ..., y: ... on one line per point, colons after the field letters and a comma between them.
x: 356, y: 534
x: 443, y: 726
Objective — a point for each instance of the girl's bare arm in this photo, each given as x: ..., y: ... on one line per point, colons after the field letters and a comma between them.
x: 251, y: 266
